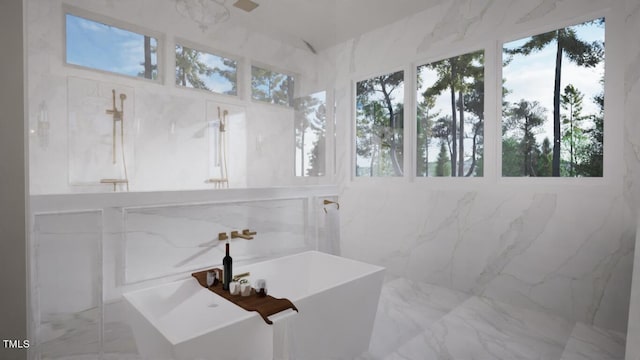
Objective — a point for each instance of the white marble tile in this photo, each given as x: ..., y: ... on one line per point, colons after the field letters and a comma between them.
x: 66, y: 293
x: 406, y: 308
x: 184, y: 238
x: 484, y: 329
x: 592, y: 343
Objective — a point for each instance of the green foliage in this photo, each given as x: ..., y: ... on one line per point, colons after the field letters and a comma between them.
x: 229, y: 72
x: 545, y: 159
x: 462, y: 79
x: 592, y: 166
x: 310, y: 117
x: 523, y: 121
x: 511, y: 156
x: 573, y: 138
x: 379, y: 124
x: 443, y: 166
x: 271, y: 86
x: 424, y: 122
x: 576, y: 50
x: 189, y: 68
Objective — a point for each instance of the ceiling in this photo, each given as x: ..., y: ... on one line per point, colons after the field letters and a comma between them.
x: 323, y: 23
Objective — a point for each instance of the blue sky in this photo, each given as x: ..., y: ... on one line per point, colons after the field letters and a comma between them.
x: 99, y: 46
x: 532, y: 77
x: 104, y: 47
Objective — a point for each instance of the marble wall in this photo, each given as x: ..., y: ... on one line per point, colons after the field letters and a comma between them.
x: 166, y: 142
x: 559, y: 245
x: 633, y: 330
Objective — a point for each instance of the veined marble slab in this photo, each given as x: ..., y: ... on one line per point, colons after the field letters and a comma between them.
x: 481, y: 328
x: 407, y: 308
x: 593, y: 343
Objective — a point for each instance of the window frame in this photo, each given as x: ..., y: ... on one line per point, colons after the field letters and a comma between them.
x: 407, y: 131
x: 608, y: 173
x: 264, y: 66
x: 122, y: 25
x: 414, y: 108
x: 178, y: 41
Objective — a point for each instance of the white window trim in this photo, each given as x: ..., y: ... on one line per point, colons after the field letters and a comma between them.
x: 82, y: 13
x: 414, y: 91
x: 203, y: 48
x: 608, y: 176
x: 264, y: 66
x: 493, y: 113
x: 406, y: 132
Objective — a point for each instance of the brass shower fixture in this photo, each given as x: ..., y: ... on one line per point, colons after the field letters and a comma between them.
x: 118, y: 115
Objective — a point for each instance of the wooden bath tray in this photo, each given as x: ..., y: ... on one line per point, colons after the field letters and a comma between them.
x: 265, y: 306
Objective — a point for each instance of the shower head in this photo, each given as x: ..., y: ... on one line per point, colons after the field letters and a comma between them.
x: 123, y: 96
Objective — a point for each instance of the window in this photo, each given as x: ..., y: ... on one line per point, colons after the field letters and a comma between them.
x: 553, y: 103
x: 310, y: 129
x: 271, y: 86
x: 104, y: 47
x: 379, y: 125
x: 201, y: 70
x: 450, y: 116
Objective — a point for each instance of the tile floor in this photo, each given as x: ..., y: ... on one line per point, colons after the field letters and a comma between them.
x: 415, y: 321
x: 418, y: 321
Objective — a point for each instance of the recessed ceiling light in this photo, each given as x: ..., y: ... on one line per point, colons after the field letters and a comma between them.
x: 246, y: 5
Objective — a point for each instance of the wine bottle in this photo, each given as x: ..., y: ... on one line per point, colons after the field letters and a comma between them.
x: 226, y: 263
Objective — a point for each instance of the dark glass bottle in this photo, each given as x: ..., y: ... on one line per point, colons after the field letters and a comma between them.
x: 226, y: 263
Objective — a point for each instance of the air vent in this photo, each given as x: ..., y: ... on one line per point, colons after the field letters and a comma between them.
x: 246, y: 5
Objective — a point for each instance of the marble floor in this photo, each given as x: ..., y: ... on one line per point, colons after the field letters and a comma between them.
x: 415, y: 321
x: 418, y: 321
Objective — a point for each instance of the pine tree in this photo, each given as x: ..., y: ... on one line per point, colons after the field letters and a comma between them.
x: 443, y: 166
x: 582, y: 53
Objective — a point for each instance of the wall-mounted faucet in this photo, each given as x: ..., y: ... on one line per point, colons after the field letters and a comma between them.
x: 246, y: 234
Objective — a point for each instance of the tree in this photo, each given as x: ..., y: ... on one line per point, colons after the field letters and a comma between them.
x: 387, y: 125
x: 271, y: 86
x: 511, y: 156
x: 524, y: 118
x: 229, y: 71
x: 453, y: 75
x: 369, y: 114
x: 474, y: 100
x: 307, y: 115
x: 150, y: 70
x: 442, y: 130
x: 447, y: 76
x: 425, y: 121
x: 189, y: 68
x: 443, y: 165
x: 148, y: 67
x: 580, y: 52
x: 545, y: 159
x: 571, y: 102
x: 592, y: 166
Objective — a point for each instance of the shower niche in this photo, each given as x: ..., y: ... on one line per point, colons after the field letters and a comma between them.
x: 100, y: 134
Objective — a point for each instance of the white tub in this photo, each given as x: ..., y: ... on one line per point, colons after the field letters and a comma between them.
x: 337, y: 299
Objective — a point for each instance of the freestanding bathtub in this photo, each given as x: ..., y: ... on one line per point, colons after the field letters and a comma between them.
x: 336, y: 297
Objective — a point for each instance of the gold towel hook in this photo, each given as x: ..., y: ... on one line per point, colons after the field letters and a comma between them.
x: 328, y: 202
